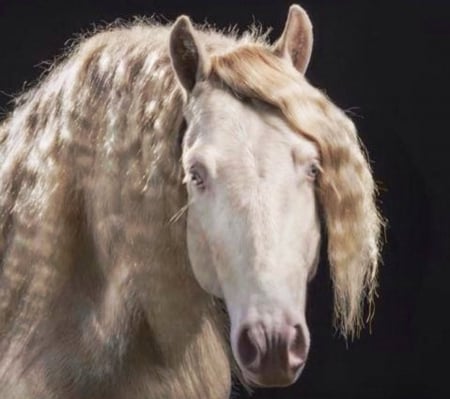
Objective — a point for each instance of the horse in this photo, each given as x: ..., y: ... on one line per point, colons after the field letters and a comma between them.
x: 162, y: 193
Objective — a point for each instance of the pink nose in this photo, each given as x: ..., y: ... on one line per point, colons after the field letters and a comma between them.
x: 272, y: 358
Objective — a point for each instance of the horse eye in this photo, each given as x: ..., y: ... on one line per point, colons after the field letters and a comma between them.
x: 313, y: 170
x: 197, y: 175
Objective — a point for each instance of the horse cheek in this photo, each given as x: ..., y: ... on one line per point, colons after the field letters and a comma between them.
x: 201, y: 261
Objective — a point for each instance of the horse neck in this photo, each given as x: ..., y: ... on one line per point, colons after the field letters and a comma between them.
x: 131, y: 249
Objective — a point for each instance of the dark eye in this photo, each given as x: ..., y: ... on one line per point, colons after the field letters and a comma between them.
x: 313, y: 170
x: 197, y: 176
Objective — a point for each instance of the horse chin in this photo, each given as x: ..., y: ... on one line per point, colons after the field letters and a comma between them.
x: 255, y: 381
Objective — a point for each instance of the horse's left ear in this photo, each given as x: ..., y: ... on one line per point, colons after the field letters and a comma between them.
x: 296, y: 41
x: 188, y: 57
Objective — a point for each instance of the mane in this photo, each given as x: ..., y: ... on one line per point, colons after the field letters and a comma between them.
x: 90, y: 179
x: 346, y: 189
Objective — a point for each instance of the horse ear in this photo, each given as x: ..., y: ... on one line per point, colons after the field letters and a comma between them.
x: 296, y: 41
x: 188, y: 58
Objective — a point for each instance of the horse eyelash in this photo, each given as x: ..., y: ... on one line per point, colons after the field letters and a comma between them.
x: 178, y: 214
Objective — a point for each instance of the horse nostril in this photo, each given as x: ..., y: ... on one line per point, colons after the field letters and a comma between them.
x: 247, y: 348
x: 297, y: 348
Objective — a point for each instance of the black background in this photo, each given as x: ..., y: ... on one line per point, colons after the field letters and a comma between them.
x: 386, y: 62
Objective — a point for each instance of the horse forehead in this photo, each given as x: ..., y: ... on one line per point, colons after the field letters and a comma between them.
x: 251, y: 143
x: 247, y: 133
x: 228, y: 119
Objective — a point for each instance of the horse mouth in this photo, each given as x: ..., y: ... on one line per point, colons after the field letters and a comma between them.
x: 273, y: 380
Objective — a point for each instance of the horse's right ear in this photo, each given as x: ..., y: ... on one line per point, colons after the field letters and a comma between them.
x: 188, y: 58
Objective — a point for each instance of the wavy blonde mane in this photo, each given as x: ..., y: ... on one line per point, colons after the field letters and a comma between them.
x: 346, y: 189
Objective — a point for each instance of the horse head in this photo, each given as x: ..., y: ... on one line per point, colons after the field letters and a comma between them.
x: 263, y: 152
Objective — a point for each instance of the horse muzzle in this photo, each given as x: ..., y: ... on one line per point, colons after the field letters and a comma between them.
x: 272, y: 355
